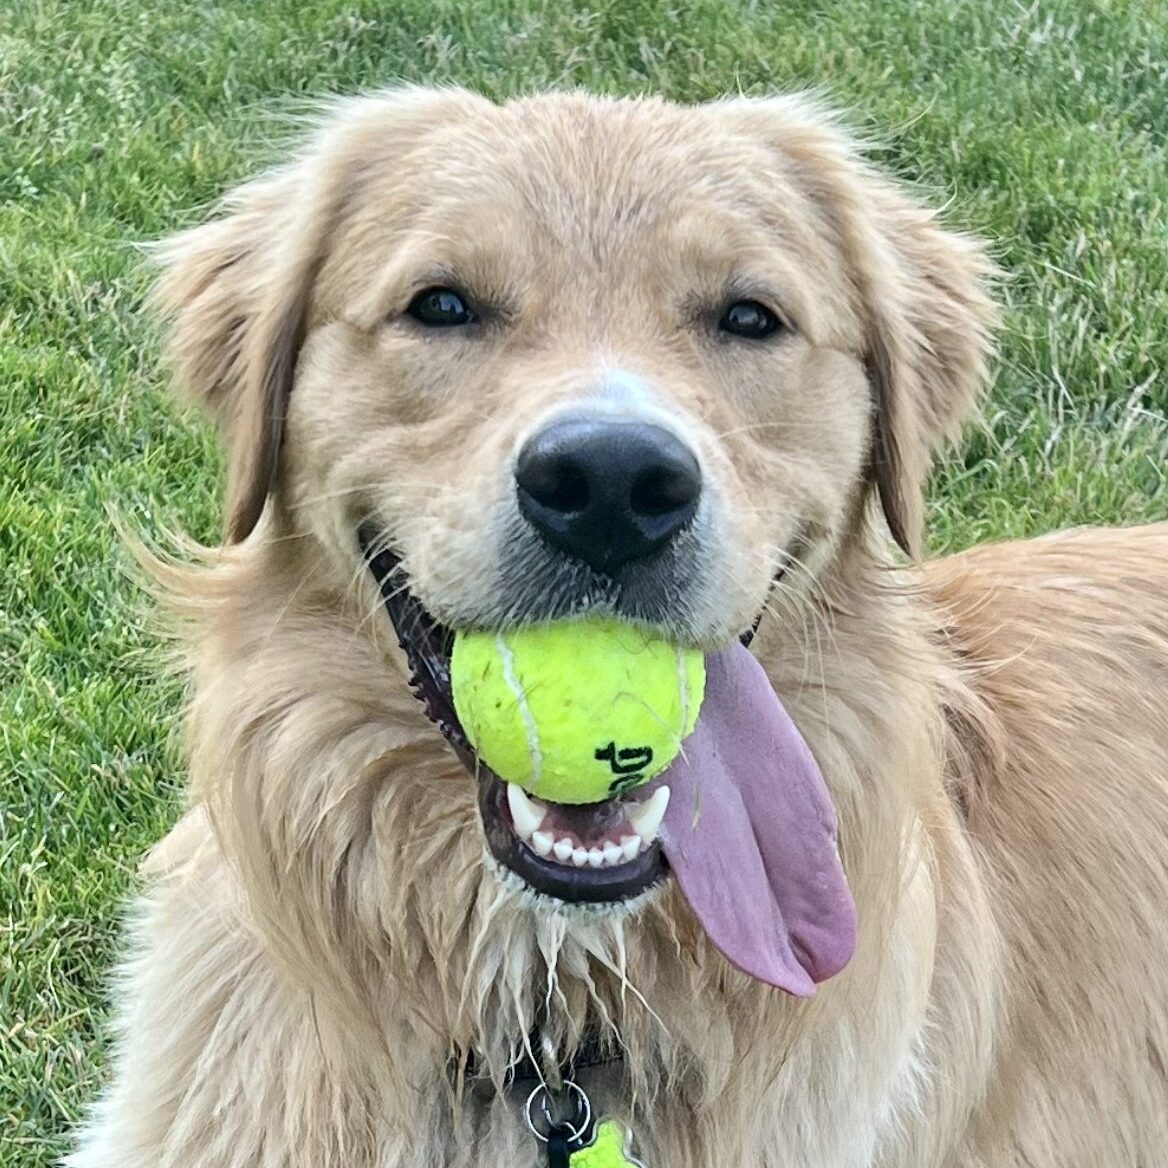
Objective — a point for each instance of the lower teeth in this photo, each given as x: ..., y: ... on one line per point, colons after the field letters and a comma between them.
x: 608, y: 854
x: 528, y: 814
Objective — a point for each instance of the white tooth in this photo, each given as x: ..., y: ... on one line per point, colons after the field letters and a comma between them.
x: 541, y: 842
x: 563, y: 850
x: 646, y: 817
x: 612, y: 853
x: 630, y: 846
x: 596, y: 857
x: 526, y: 813
x: 579, y: 857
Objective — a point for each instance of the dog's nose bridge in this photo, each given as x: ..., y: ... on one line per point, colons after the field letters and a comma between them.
x: 623, y: 389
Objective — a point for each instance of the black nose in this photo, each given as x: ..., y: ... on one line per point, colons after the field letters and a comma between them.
x: 607, y: 492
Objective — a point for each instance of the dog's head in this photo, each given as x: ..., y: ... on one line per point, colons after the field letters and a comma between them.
x: 563, y: 355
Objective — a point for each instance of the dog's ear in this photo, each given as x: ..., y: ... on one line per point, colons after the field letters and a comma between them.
x: 237, y: 290
x: 929, y: 324
x: 920, y: 290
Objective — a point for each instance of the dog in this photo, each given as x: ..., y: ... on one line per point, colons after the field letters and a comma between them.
x: 482, y: 365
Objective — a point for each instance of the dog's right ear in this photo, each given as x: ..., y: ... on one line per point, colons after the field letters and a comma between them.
x: 237, y: 289
x: 236, y: 292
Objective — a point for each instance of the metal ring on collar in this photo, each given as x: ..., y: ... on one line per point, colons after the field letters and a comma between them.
x: 574, y: 1133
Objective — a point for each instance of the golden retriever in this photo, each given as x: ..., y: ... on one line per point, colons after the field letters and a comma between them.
x: 482, y: 365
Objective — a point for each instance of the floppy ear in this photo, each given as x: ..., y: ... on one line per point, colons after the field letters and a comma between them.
x: 929, y: 325
x: 920, y: 292
x: 237, y: 290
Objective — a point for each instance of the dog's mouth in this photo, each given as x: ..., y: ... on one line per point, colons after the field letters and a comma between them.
x: 741, y: 818
x: 588, y: 853
x: 591, y: 853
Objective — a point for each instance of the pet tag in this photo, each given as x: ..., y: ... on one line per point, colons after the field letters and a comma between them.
x: 579, y: 1143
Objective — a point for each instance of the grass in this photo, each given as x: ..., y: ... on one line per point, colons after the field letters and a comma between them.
x: 121, y: 120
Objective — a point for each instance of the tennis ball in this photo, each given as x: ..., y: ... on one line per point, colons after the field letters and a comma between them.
x: 577, y: 711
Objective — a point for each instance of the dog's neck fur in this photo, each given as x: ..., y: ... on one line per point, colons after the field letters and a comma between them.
x: 354, y: 836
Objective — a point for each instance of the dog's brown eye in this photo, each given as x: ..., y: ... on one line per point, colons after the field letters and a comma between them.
x: 440, y: 308
x: 748, y: 318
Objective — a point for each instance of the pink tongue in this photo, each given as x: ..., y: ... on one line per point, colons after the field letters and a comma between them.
x: 750, y: 834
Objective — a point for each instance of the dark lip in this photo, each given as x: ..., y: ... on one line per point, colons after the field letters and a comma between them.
x: 427, y: 644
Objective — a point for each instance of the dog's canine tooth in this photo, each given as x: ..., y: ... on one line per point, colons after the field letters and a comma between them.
x: 630, y: 846
x: 541, y: 842
x: 646, y: 818
x: 526, y: 813
x: 612, y: 853
x: 563, y: 850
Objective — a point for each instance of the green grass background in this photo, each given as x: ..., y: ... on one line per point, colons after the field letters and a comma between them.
x: 1041, y: 122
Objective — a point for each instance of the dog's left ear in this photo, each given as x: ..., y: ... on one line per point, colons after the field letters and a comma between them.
x: 929, y: 327
x: 920, y: 290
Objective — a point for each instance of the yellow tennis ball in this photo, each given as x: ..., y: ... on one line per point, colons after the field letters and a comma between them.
x: 577, y: 711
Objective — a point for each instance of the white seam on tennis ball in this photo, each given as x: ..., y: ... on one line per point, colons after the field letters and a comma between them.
x: 683, y: 690
x: 508, y: 659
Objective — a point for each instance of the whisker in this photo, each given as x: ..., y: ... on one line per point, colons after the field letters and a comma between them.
x: 339, y: 493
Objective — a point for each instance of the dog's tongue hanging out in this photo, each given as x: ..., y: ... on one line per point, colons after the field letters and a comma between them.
x: 750, y: 834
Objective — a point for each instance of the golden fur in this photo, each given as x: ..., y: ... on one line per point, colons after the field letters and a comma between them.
x: 320, y: 937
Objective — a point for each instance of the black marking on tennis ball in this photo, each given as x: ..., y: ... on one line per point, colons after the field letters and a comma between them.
x: 627, y: 760
x: 624, y: 783
x: 626, y: 763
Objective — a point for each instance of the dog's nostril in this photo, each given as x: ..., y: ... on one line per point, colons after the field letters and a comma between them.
x: 664, y: 489
x: 555, y: 483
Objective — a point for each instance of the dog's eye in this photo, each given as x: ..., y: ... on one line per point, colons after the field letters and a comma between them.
x: 748, y: 318
x: 440, y: 308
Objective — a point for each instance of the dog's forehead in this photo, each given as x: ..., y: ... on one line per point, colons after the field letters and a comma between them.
x: 623, y: 160
x: 577, y: 171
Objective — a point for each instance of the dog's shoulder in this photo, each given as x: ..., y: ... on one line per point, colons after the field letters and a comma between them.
x: 1061, y: 647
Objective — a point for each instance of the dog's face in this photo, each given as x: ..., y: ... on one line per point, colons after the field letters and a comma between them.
x: 568, y: 355
x: 564, y: 356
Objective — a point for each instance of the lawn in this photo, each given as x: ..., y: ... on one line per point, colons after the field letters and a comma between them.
x: 1040, y: 122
